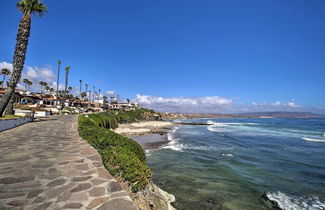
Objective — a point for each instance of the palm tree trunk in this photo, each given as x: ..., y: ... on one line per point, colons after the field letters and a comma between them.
x: 57, y: 84
x: 3, y: 81
x: 65, y: 89
x: 80, y: 90
x: 19, y: 60
x: 10, y: 107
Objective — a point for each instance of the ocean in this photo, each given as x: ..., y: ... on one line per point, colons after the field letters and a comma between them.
x: 231, y: 163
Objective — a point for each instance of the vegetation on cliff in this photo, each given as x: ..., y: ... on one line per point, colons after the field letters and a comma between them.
x: 121, y: 156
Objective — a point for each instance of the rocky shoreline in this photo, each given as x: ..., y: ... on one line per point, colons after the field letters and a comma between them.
x: 150, y: 135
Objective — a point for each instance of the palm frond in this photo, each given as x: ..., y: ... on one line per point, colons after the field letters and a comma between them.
x: 29, y: 7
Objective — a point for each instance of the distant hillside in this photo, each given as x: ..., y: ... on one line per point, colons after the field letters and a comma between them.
x: 283, y: 115
x: 243, y: 115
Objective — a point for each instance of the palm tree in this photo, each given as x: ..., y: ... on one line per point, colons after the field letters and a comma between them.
x: 29, y: 83
x: 86, y: 86
x: 58, y: 81
x: 41, y: 83
x: 94, y: 93
x: 105, y: 99
x: 128, y: 100
x: 26, y: 82
x: 80, y: 87
x: 99, y: 94
x: 47, y: 88
x: 51, y: 90
x: 67, y: 69
x: 5, y: 72
x: 83, y: 95
x: 27, y: 7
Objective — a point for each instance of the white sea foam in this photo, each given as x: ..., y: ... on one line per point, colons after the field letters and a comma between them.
x: 314, y: 140
x: 175, y: 145
x: 148, y: 152
x: 173, y: 142
x: 227, y: 155
x: 230, y: 123
x: 296, y: 203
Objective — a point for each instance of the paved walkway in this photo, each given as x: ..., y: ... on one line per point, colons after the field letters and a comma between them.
x: 46, y: 165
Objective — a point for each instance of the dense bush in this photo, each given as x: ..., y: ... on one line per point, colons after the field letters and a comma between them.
x: 121, y: 161
x: 121, y: 155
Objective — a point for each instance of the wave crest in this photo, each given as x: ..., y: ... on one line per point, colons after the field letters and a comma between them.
x: 314, y: 140
x: 295, y: 203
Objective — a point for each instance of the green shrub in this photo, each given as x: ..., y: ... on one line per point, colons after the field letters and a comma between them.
x: 121, y: 156
x: 123, y: 162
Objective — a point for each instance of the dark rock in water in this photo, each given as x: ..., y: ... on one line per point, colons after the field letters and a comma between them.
x: 193, y: 123
x: 270, y: 203
x: 212, y: 203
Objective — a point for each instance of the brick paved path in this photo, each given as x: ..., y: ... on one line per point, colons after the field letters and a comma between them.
x: 46, y: 165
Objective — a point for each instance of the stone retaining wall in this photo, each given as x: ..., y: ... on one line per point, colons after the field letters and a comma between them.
x: 6, y: 124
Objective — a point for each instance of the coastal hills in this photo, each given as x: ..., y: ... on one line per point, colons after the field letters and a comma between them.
x: 242, y: 115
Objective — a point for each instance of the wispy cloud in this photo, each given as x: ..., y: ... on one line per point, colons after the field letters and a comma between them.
x: 186, y: 104
x: 5, y: 65
x: 110, y: 92
x: 36, y: 74
x: 215, y: 104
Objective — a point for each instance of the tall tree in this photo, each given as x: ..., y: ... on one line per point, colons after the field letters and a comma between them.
x: 105, y: 99
x: 83, y: 95
x: 27, y: 7
x: 47, y: 88
x: 5, y: 72
x: 86, y: 86
x: 94, y: 88
x: 26, y: 83
x: 80, y: 81
x: 29, y: 83
x: 67, y: 69
x: 41, y: 83
x: 58, y: 81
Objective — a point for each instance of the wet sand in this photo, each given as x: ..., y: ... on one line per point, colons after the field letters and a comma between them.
x: 151, y: 141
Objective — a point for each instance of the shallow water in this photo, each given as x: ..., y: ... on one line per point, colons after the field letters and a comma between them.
x: 229, y: 164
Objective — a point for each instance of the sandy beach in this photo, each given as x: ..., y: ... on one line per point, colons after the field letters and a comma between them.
x: 150, y: 134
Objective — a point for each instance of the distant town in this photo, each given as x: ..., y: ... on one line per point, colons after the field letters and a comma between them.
x: 42, y: 104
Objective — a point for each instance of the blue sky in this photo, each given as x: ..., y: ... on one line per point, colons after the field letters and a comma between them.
x: 261, y: 55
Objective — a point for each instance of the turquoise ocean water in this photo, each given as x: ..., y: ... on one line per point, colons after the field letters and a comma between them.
x: 228, y: 165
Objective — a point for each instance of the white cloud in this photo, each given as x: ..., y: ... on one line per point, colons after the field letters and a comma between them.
x: 212, y: 104
x: 5, y: 65
x: 36, y: 74
x: 186, y: 104
x: 110, y: 92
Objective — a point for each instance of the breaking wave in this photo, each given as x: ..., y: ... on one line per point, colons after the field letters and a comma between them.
x: 314, y: 140
x: 227, y: 155
x: 174, y: 144
x: 295, y: 203
x: 256, y: 129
